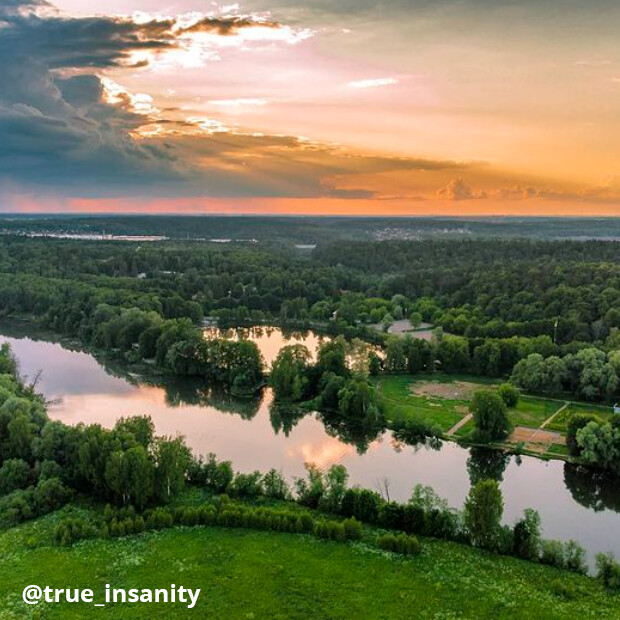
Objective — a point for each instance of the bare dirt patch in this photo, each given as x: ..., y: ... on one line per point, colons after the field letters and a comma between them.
x: 457, y: 390
x: 536, y: 439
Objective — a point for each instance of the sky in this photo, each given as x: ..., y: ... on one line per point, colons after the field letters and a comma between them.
x: 372, y: 107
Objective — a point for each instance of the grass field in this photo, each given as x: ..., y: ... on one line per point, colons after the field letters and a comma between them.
x: 560, y: 421
x: 445, y: 400
x: 401, y: 402
x: 250, y: 575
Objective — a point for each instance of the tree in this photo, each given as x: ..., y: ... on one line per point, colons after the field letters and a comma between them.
x: 395, y: 360
x: 576, y: 422
x: 357, y: 399
x: 483, y: 513
x: 415, y: 318
x: 172, y: 462
x: 387, y: 321
x: 527, y: 535
x: 288, y: 370
x: 14, y: 474
x: 600, y: 445
x: 332, y: 357
x: 509, y: 394
x: 129, y: 475
x: 490, y: 418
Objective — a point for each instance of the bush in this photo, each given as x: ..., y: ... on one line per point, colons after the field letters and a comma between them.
x: 362, y: 504
x: 392, y: 516
x: 413, y: 519
x: 399, y: 543
x: 352, y: 529
x: 527, y: 536
x: 608, y: 570
x: 71, y: 529
x: 305, y: 523
x: 509, y: 394
x: 575, y: 423
x: 575, y: 556
x: 552, y: 553
x: 275, y: 486
x: 247, y: 485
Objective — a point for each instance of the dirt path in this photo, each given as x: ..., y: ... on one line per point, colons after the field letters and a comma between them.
x: 460, y: 424
x: 550, y: 419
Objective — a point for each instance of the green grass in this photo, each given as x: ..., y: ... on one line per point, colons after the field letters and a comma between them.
x: 401, y: 404
x: 247, y: 575
x: 532, y: 411
x: 559, y: 422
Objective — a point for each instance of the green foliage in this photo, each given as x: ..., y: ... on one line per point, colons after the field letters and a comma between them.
x: 527, y: 536
x: 483, y: 512
x: 509, y: 394
x: 608, y: 570
x: 287, y: 376
x: 490, y: 415
x: 399, y: 543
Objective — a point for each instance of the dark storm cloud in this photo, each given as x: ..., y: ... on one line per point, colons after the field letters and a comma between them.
x: 226, y: 26
x: 60, y: 134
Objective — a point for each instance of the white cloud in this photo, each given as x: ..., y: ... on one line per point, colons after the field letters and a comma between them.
x: 373, y: 83
x: 238, y: 103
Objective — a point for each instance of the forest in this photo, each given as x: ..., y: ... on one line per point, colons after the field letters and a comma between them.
x: 542, y: 314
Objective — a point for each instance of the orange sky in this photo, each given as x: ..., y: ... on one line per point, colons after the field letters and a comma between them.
x: 470, y: 107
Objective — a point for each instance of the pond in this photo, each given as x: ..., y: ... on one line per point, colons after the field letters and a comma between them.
x: 573, y: 502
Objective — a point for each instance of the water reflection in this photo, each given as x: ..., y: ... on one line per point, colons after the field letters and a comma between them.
x: 573, y: 502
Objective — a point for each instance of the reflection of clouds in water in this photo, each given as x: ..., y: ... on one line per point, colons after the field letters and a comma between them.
x: 270, y: 340
x: 324, y: 454
x: 89, y: 395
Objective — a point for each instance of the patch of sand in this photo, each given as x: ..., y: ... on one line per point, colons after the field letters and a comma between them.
x: 457, y: 390
x: 536, y: 439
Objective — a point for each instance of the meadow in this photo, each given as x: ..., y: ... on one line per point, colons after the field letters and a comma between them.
x: 248, y: 574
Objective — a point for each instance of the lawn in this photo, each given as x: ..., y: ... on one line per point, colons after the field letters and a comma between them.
x: 250, y: 575
x: 445, y: 399
x: 532, y: 411
x: 401, y: 402
x: 559, y: 422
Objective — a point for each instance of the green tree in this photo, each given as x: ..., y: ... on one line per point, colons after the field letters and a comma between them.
x: 509, y: 394
x: 172, y: 462
x: 490, y: 415
x: 483, y: 513
x: 288, y: 372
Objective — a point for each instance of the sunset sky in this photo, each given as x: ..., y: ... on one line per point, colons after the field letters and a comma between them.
x: 379, y: 107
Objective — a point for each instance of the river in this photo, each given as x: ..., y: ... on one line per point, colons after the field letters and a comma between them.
x: 573, y: 502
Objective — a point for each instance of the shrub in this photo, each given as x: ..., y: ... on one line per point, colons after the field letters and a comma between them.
x: 575, y: 556
x: 527, y: 536
x: 71, y: 529
x: 305, y: 523
x: 362, y: 504
x: 352, y: 529
x: 399, y: 543
x: 247, y: 485
x: 392, y: 516
x: 608, y: 570
x: 509, y: 394
x: 575, y: 423
x: 552, y: 553
x: 413, y: 519
x: 275, y: 486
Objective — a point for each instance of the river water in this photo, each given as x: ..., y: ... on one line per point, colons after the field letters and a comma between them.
x: 573, y: 502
